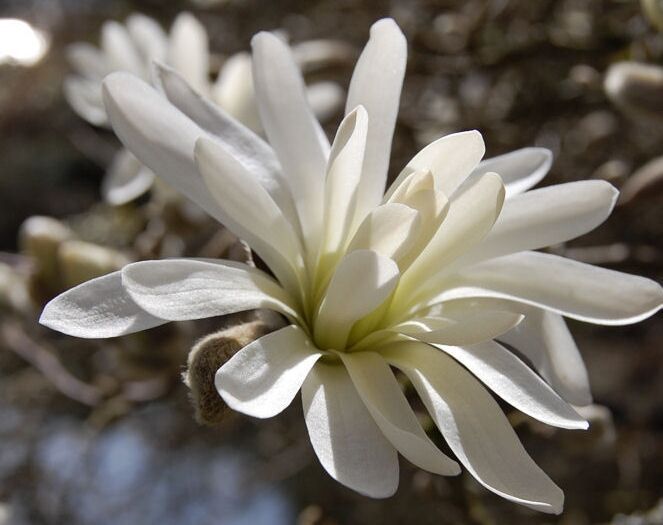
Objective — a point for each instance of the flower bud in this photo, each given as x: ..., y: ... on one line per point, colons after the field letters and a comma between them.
x: 206, y: 357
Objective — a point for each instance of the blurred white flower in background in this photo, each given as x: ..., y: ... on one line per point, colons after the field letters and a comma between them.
x: 425, y: 278
x: 136, y: 45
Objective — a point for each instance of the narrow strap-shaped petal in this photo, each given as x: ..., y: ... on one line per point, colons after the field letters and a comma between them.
x: 291, y: 127
x: 120, y: 50
x: 99, y: 308
x: 545, y: 340
x: 376, y: 84
x: 126, y: 179
x: 390, y: 230
x: 148, y: 36
x: 471, y: 215
x: 520, y: 170
x: 188, y: 52
x: 250, y: 212
x: 384, y: 399
x: 249, y: 149
x: 263, y: 378
x: 348, y: 443
x: 545, y: 217
x: 343, y: 176
x: 184, y: 289
x: 581, y: 291
x: 158, y: 134
x: 362, y: 281
x: 233, y: 91
x: 475, y: 427
x: 516, y: 383
x: 466, y: 329
x: 450, y: 159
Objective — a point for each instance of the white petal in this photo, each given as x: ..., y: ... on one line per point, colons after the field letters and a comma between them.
x: 84, y: 96
x: 516, y: 383
x: 87, y: 61
x: 471, y: 215
x: 470, y: 328
x: 325, y: 98
x: 348, y: 443
x: 263, y: 378
x: 520, y: 170
x: 250, y: 212
x: 475, y: 427
x: 343, y: 176
x: 120, y: 50
x: 148, y: 36
x: 384, y: 399
x: 188, y: 52
x: 390, y: 230
x: 581, y: 291
x: 99, y: 308
x: 450, y: 159
x: 158, y: 134
x: 291, y: 127
x: 126, y: 179
x: 361, y: 283
x: 248, y: 148
x: 545, y: 217
x: 545, y: 340
x: 376, y: 84
x: 184, y: 289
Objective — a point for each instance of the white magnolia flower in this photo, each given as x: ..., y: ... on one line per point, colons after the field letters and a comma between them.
x: 136, y: 45
x: 423, y: 278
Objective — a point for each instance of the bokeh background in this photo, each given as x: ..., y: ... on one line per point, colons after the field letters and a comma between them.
x: 104, y: 432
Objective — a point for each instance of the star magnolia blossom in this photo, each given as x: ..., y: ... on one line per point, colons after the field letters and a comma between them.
x: 134, y: 46
x: 423, y: 278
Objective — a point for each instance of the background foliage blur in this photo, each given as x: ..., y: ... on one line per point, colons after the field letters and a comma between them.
x: 103, y: 431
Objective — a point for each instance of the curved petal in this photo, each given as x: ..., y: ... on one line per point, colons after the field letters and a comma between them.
x: 363, y: 280
x: 516, y: 383
x: 126, y: 179
x: 348, y: 443
x: 233, y: 91
x: 158, y: 134
x: 545, y: 217
x: 520, y: 170
x: 581, y: 291
x: 376, y: 84
x: 188, y: 52
x: 291, y: 127
x: 545, y: 340
x: 343, y: 176
x: 384, y: 399
x: 148, y: 36
x: 390, y: 230
x: 99, y: 308
x: 470, y: 328
x: 255, y: 155
x: 471, y: 215
x: 450, y: 159
x: 84, y: 97
x: 250, y: 212
x: 475, y: 427
x: 184, y: 289
x: 263, y: 378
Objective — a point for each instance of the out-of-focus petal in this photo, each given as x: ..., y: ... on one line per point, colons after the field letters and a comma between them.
x: 126, y: 179
x: 188, y: 52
